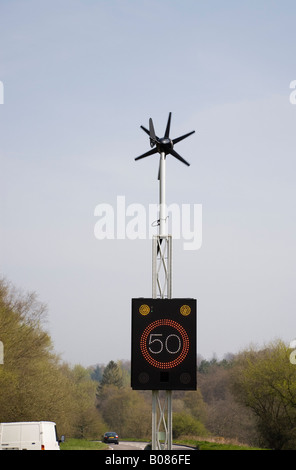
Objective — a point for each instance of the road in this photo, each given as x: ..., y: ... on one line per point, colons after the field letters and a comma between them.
x: 128, y: 446
x: 140, y: 446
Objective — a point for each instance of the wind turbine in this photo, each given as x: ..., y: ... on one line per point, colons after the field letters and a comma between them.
x: 162, y: 267
x: 164, y: 146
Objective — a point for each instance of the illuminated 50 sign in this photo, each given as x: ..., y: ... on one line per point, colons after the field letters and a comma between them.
x: 164, y: 344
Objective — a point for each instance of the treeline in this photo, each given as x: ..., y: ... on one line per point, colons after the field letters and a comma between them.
x: 249, y: 397
x: 34, y: 384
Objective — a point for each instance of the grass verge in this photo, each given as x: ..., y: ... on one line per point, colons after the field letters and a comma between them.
x: 207, y: 445
x: 82, y: 444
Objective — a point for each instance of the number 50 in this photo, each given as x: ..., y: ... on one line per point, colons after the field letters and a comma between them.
x: 158, y: 343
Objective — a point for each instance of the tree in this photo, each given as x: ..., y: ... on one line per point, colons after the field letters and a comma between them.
x: 111, y: 376
x: 125, y: 411
x: 87, y: 421
x: 186, y: 425
x: 97, y: 373
x: 265, y: 382
x: 195, y: 405
x: 34, y: 385
x: 225, y: 416
x: 29, y: 375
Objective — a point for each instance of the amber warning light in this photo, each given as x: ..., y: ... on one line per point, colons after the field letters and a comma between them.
x: 163, y: 344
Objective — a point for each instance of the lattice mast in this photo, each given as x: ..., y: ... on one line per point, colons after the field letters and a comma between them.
x: 162, y: 274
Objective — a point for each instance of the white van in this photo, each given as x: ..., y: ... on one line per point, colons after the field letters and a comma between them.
x: 35, y: 435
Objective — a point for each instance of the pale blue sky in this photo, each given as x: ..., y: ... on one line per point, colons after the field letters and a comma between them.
x: 80, y: 77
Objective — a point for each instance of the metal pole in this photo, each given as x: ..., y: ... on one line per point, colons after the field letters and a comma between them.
x: 162, y: 206
x: 154, y: 419
x: 162, y: 267
x: 162, y: 412
x: 170, y: 418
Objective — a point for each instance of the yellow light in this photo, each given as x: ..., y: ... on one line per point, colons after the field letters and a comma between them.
x: 185, y: 310
x: 144, y: 309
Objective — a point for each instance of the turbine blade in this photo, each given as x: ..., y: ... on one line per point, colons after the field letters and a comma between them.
x: 176, y: 155
x: 151, y: 129
x: 152, y: 133
x: 178, y: 139
x: 167, y: 131
x: 158, y: 176
x: 146, y: 130
x: 147, y: 154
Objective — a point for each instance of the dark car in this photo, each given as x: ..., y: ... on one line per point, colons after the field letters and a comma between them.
x: 111, y: 437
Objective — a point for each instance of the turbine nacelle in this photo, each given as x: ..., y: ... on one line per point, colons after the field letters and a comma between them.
x: 164, y: 144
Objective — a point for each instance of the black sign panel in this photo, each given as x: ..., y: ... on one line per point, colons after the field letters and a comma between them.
x: 163, y: 344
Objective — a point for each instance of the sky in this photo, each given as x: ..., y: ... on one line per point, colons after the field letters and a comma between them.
x: 79, y: 79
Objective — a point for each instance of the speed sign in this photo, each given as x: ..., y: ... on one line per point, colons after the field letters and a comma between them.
x: 163, y: 344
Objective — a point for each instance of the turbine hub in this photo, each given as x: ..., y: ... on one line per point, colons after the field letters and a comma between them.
x: 165, y: 144
x: 165, y: 141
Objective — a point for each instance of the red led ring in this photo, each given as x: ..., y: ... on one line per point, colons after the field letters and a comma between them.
x: 146, y: 354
